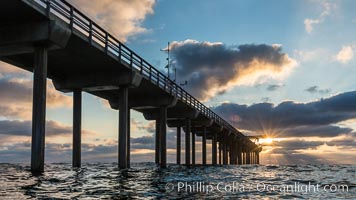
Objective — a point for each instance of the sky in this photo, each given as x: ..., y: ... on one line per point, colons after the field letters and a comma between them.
x: 283, y: 70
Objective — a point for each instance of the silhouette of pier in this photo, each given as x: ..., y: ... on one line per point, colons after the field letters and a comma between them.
x: 54, y: 40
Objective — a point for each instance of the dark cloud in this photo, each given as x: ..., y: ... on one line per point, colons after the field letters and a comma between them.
x: 274, y: 87
x: 148, y: 142
x: 213, y: 68
x: 294, y: 119
x: 24, y: 128
x: 315, y: 89
x: 317, y: 130
x: 15, y: 91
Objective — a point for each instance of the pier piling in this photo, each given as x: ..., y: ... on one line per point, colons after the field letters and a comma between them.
x: 39, y: 109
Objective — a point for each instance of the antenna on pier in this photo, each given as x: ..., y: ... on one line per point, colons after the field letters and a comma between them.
x: 168, y: 66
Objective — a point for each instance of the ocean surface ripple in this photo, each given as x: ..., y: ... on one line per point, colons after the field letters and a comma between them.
x: 146, y: 181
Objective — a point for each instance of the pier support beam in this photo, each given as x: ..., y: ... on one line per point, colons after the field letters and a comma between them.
x: 244, y: 158
x: 77, y: 127
x: 157, y: 143
x: 257, y: 158
x: 214, y: 149
x: 163, y: 136
x: 251, y: 158
x: 204, y: 146
x: 193, y: 148
x: 239, y: 156
x: 39, y: 110
x: 178, y: 144
x: 187, y: 141
x: 123, y: 126
x: 224, y: 149
x: 232, y: 154
x: 248, y: 157
x: 220, y: 153
x: 128, y: 137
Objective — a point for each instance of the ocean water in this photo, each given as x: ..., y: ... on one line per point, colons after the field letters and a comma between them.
x: 146, y: 181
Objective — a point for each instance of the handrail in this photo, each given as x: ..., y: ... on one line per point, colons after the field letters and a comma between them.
x: 95, y: 34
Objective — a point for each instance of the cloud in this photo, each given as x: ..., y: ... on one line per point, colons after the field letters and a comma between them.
x: 309, y: 24
x: 140, y: 126
x: 316, y: 131
x: 24, y: 128
x: 213, y: 68
x: 142, y: 148
x: 301, y: 150
x: 7, y: 70
x: 289, y: 119
x: 315, y: 89
x: 311, y: 55
x: 345, y: 55
x: 273, y: 87
x: 326, y: 9
x: 16, y: 98
x: 121, y: 17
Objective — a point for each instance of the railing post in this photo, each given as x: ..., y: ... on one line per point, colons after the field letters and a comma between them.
x: 120, y: 49
x: 48, y: 7
x: 71, y: 22
x: 150, y: 73
x: 131, y: 60
x: 141, y: 65
x: 90, y: 32
x: 106, y: 42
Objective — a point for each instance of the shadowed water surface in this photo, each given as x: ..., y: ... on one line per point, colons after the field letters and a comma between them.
x: 145, y: 180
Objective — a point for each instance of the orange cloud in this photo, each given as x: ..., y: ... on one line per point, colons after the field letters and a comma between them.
x: 121, y: 17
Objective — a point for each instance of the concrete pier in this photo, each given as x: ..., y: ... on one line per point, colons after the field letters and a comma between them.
x: 123, y: 126
x: 39, y: 109
x: 178, y: 144
x: 83, y: 57
x: 232, y: 153
x: 248, y: 157
x: 163, y: 136
x: 187, y: 141
x: 214, y: 149
x: 204, y: 146
x: 239, y: 153
x: 220, y: 153
x: 77, y: 127
x: 224, y: 150
x: 193, y: 148
x: 128, y: 138
x: 157, y: 143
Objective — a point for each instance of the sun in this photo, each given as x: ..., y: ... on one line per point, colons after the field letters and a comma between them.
x: 266, y: 140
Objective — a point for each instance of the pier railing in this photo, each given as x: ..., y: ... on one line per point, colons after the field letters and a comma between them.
x: 113, y: 47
